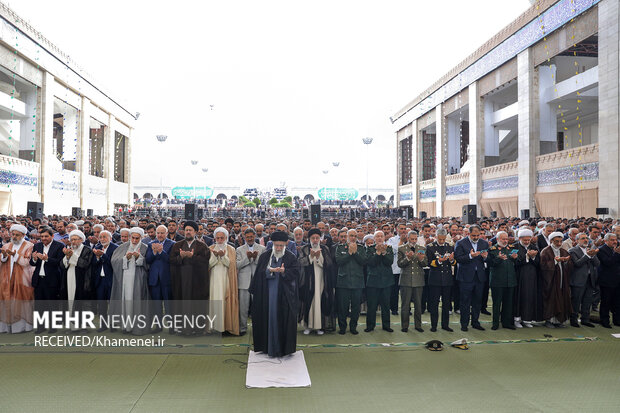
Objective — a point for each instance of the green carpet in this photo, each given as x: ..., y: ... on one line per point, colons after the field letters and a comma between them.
x: 388, y: 372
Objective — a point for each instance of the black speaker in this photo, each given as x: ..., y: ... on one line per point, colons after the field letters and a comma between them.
x: 470, y: 213
x: 599, y: 211
x: 89, y: 213
x: 351, y: 214
x: 304, y: 213
x: 493, y: 214
x: 76, y: 212
x: 315, y: 214
x: 34, y: 209
x: 190, y: 212
x: 422, y: 214
x: 199, y: 213
x: 525, y: 214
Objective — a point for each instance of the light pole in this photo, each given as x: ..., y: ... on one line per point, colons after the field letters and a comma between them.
x: 367, y: 142
x: 194, y: 163
x: 162, y: 139
x: 205, y: 170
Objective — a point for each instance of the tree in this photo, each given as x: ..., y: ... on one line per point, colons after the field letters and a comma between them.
x: 243, y: 199
x: 256, y: 201
x: 273, y: 201
x: 282, y: 205
x: 249, y: 204
x: 288, y: 199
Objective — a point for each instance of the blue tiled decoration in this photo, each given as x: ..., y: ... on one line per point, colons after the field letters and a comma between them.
x: 406, y: 196
x: 460, y: 189
x: 428, y: 193
x: 553, y: 18
x: 65, y: 186
x: 567, y: 175
x: 500, y: 184
x: 13, y: 178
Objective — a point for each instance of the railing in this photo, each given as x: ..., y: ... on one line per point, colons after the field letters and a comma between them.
x: 568, y: 157
x: 499, y: 171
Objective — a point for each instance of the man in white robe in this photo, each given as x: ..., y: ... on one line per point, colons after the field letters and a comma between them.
x: 223, y: 291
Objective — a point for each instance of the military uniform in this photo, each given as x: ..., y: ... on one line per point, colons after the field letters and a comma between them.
x: 503, y: 282
x: 379, y: 286
x: 440, y: 281
x: 411, y: 284
x: 349, y: 284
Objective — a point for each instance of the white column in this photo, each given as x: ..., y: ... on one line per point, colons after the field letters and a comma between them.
x: 83, y: 151
x: 609, y: 106
x: 128, y: 168
x: 109, y: 162
x: 454, y: 145
x: 399, y: 157
x: 416, y: 163
x: 46, y: 141
x: 527, y: 130
x: 476, y: 145
x: 548, y: 115
x: 440, y: 168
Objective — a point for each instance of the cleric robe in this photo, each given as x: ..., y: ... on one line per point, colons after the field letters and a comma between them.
x: 556, y: 285
x: 16, y: 291
x: 130, y: 298
x: 285, y: 302
x: 528, y: 294
x: 308, y: 283
x: 223, y: 290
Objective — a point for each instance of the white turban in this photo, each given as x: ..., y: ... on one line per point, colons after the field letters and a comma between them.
x: 525, y: 233
x: 79, y: 222
x: 123, y: 230
x: 19, y: 228
x: 555, y: 235
x: 524, y: 222
x: 77, y: 232
x: 221, y: 229
x: 367, y: 237
x: 137, y: 230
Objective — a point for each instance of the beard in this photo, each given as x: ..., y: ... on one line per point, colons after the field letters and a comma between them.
x: 220, y: 246
x: 189, y: 238
x: 316, y: 246
x: 16, y: 241
x: 278, y: 254
x: 502, y: 244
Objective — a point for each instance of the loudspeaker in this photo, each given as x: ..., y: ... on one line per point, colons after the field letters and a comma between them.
x: 304, y: 213
x: 315, y: 214
x: 199, y: 213
x: 89, y: 212
x: 469, y: 214
x: 34, y: 209
x: 599, y: 211
x: 422, y: 214
x: 76, y: 212
x: 493, y: 214
x: 190, y: 212
x: 525, y: 214
x: 351, y: 214
x: 406, y: 212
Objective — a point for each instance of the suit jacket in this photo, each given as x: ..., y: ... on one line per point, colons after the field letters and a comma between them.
x: 411, y: 271
x: 159, y: 264
x: 440, y: 273
x: 470, y: 269
x: 609, y: 274
x: 104, y: 262
x: 583, y: 266
x: 52, y: 266
x: 245, y: 266
x: 207, y: 240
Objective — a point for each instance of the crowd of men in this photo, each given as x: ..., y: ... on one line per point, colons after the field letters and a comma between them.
x: 289, y: 272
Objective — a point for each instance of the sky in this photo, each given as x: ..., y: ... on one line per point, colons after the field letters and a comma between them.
x: 295, y: 86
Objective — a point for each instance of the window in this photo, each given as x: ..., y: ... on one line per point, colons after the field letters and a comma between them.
x: 96, y: 148
x: 18, y: 116
x: 405, y: 159
x: 65, y: 134
x: 120, y: 152
x: 428, y: 155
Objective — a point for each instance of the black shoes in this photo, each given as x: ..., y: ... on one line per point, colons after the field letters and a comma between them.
x: 368, y: 330
x: 448, y: 329
x: 419, y: 329
x: 485, y: 312
x: 342, y: 332
x: 478, y: 327
x: 587, y: 324
x: 606, y: 325
x: 494, y: 328
x: 433, y: 329
x: 574, y: 324
x: 388, y: 329
x: 464, y: 329
x: 102, y: 329
x: 354, y: 331
x: 404, y: 330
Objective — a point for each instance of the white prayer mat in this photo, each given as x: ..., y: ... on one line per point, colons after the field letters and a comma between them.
x: 289, y: 371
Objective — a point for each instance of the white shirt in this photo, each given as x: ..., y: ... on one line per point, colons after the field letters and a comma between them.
x: 104, y: 250
x: 393, y: 242
x: 46, y: 249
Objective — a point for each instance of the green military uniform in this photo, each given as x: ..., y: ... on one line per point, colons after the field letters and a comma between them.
x: 379, y: 286
x: 503, y: 282
x: 349, y: 284
x: 411, y: 284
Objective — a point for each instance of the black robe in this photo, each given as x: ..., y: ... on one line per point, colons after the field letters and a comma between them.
x: 190, y: 280
x: 556, y: 285
x: 83, y: 285
x: 306, y: 284
x: 528, y: 294
x: 288, y: 304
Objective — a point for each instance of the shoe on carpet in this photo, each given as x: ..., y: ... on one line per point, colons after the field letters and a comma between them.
x: 419, y: 329
x: 549, y: 324
x: 307, y: 331
x: 587, y: 324
x: 478, y: 327
x: 448, y: 329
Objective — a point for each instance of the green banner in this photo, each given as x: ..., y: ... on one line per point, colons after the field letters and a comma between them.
x: 338, y: 194
x: 192, y: 192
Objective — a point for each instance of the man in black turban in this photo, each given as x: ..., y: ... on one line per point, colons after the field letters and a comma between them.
x: 275, y: 299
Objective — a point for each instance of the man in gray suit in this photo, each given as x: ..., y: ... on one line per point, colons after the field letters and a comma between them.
x: 247, y: 258
x: 583, y: 279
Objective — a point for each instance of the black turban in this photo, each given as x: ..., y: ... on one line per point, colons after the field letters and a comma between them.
x: 314, y: 231
x: 279, y: 236
x: 191, y: 224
